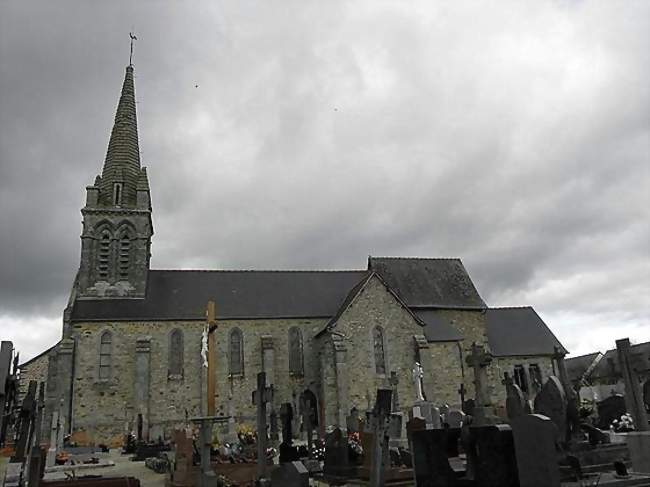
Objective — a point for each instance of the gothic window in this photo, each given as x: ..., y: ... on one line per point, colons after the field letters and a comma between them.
x: 520, y: 378
x: 236, y: 352
x: 104, y: 254
x: 176, y: 353
x: 117, y: 194
x: 295, y: 352
x: 380, y: 359
x: 105, y: 355
x: 124, y: 257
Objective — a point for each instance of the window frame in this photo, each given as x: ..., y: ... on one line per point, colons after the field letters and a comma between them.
x: 176, y: 356
x: 231, y: 359
x: 378, y: 338
x: 296, y: 364
x: 105, y: 358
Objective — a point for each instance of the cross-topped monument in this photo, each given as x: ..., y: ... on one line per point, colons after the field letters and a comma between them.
x: 261, y: 396
x: 479, y: 359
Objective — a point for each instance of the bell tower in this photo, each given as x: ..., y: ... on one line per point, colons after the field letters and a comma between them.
x: 117, y: 226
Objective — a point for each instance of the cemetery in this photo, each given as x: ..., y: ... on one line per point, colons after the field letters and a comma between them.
x: 541, y: 439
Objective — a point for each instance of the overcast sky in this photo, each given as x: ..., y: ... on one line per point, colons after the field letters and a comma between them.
x: 308, y: 135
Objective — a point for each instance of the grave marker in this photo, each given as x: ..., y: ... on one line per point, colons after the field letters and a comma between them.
x: 261, y: 396
x: 633, y: 394
x: 479, y: 359
x: 551, y: 402
x: 515, y: 400
x: 534, y: 440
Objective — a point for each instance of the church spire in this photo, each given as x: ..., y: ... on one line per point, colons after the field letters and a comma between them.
x: 121, y: 172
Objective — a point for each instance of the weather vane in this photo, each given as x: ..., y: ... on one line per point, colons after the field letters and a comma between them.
x: 133, y: 38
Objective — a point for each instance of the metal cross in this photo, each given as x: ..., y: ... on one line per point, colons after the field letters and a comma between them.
x: 133, y: 38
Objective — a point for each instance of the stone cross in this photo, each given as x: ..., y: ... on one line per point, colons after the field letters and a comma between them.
x: 394, y: 381
x: 461, y: 392
x: 633, y: 393
x: 479, y: 359
x: 54, y: 434
x: 418, y: 374
x: 261, y: 396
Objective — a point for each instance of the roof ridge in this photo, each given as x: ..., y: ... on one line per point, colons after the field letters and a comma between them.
x: 296, y: 271
x: 528, y: 306
x: 413, y: 258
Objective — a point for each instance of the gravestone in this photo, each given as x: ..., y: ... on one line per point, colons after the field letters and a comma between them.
x: 352, y: 421
x: 638, y: 443
x: 551, y: 402
x: 25, y: 429
x: 610, y: 409
x: 496, y: 463
x: 184, y: 471
x: 288, y: 453
x: 54, y: 434
x: 394, y: 382
x: 273, y: 426
x: 455, y: 418
x: 534, y: 440
x: 261, y: 396
x: 336, y: 463
x: 515, y: 400
x: 431, y: 465
x: 293, y: 474
x: 378, y: 425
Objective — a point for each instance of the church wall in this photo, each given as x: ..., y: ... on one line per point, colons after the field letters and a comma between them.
x: 507, y: 364
x: 35, y: 369
x: 375, y: 306
x: 101, y: 408
x: 447, y: 374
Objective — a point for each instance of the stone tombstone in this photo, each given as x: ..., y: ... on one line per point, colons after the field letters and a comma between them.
x: 428, y: 412
x: 293, y: 474
x: 455, y: 418
x: 534, y: 439
x: 261, y: 396
x: 394, y: 382
x: 496, y: 463
x: 638, y: 443
x: 610, y: 409
x: 515, y: 400
x: 352, y: 421
x: 431, y: 466
x: 551, y: 402
x: 479, y: 359
x: 336, y: 454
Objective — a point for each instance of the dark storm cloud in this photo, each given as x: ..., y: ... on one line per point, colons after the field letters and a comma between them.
x: 303, y: 135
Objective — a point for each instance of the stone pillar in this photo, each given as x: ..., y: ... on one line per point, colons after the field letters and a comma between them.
x: 141, y: 385
x: 65, y: 379
x: 423, y: 352
x: 341, y: 370
x: 633, y: 395
x: 268, y: 358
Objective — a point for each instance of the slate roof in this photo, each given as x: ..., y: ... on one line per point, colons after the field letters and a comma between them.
x: 608, y: 368
x: 577, y: 366
x: 437, y: 328
x: 519, y: 331
x: 439, y: 283
x: 182, y: 295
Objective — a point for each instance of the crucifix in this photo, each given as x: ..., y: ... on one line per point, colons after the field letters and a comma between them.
x: 211, y: 325
x: 261, y: 396
x: 133, y: 38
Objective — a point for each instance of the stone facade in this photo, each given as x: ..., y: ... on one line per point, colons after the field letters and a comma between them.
x: 507, y: 364
x: 35, y: 369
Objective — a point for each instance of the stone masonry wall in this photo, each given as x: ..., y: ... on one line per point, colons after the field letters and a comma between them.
x: 507, y: 364
x: 34, y: 370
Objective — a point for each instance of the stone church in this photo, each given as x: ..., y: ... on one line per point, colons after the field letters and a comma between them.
x: 130, y: 354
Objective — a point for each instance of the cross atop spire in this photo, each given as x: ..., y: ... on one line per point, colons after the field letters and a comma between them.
x: 133, y: 38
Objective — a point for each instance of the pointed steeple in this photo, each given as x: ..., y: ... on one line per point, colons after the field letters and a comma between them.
x: 119, y: 181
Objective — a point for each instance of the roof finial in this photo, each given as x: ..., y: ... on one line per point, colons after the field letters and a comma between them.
x: 133, y: 38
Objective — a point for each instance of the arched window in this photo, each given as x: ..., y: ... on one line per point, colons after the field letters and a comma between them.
x: 105, y: 355
x: 236, y: 352
x: 295, y: 351
x: 176, y: 353
x: 380, y: 359
x: 104, y: 254
x: 124, y: 257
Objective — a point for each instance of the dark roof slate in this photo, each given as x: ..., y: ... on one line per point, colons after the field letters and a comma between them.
x: 441, y: 283
x: 437, y: 328
x: 519, y: 331
x: 577, y: 366
x: 183, y: 295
